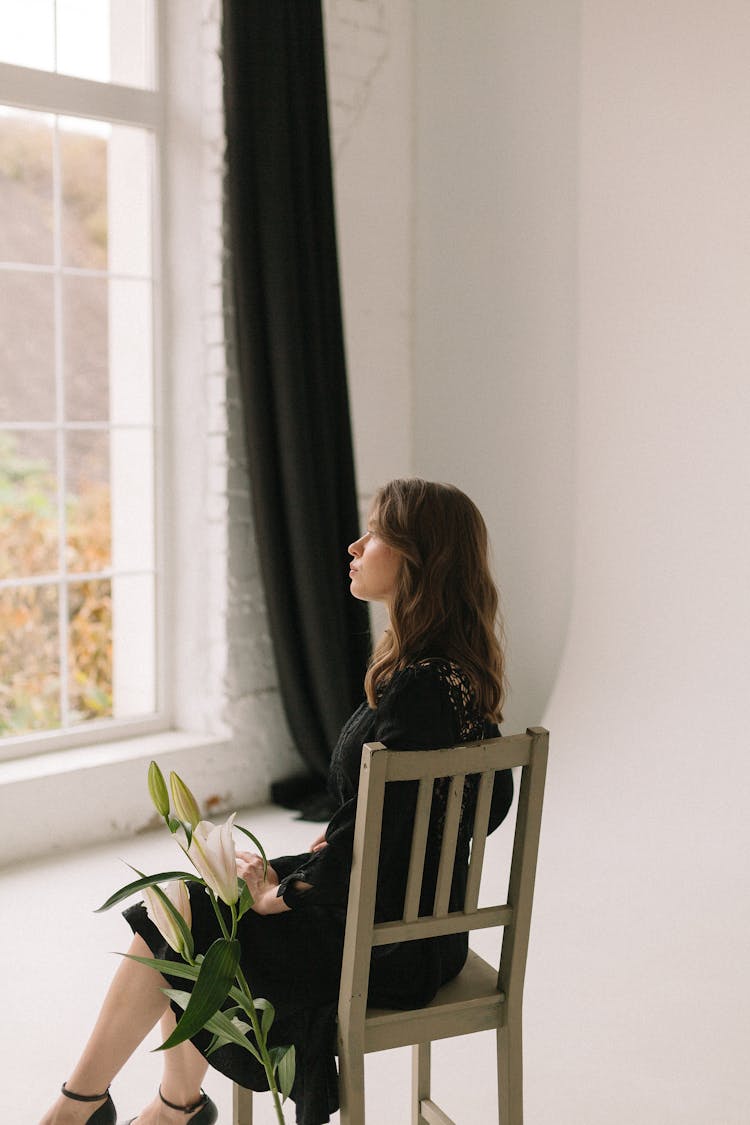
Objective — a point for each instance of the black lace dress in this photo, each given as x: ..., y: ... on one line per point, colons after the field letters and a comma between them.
x: 294, y: 959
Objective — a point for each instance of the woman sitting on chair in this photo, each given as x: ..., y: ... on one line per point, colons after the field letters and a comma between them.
x: 435, y: 679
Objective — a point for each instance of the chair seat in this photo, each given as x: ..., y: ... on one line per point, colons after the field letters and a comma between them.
x: 470, y: 1002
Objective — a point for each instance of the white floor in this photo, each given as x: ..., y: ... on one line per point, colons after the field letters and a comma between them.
x: 57, y: 957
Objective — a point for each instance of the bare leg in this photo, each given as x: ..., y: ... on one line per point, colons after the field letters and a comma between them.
x: 133, y: 1004
x: 184, y: 1071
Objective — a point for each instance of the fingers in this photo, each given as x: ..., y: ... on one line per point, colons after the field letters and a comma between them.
x: 248, y: 861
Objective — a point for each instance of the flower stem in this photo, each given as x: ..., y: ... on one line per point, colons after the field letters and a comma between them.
x: 252, y: 1014
x: 220, y: 916
x: 261, y: 1041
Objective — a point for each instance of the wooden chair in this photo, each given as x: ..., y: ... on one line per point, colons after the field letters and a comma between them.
x: 483, y: 996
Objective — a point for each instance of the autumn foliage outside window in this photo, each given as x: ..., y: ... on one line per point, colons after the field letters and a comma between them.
x: 30, y: 493
x: 75, y: 318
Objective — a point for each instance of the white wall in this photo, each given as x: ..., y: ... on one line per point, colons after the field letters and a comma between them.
x: 370, y: 80
x: 495, y: 298
x: 582, y: 367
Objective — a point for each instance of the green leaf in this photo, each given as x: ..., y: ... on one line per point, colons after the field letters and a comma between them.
x: 215, y: 1043
x: 146, y: 881
x: 245, y: 901
x: 173, y: 968
x: 219, y: 1024
x: 244, y: 1002
x: 211, y: 990
x: 258, y: 845
x: 284, y: 1063
x: 179, y: 996
x: 266, y: 1008
x: 228, y: 1030
x: 189, y: 972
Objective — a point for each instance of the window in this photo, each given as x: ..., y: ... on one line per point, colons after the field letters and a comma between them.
x: 79, y: 556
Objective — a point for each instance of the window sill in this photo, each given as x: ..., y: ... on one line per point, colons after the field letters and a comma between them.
x: 74, y: 798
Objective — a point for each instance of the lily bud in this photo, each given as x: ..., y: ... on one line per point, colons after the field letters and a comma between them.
x: 157, y: 788
x: 185, y: 804
x: 213, y: 855
x: 177, y: 893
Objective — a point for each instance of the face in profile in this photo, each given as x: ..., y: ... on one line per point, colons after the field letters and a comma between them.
x: 374, y: 567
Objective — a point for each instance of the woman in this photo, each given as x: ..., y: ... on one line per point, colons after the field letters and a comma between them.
x: 434, y: 679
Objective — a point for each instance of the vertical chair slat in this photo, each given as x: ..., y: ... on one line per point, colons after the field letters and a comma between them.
x: 478, y: 840
x: 523, y: 868
x: 448, y: 846
x: 355, y: 964
x: 418, y: 847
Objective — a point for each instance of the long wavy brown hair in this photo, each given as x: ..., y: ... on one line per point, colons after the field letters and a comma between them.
x: 445, y: 602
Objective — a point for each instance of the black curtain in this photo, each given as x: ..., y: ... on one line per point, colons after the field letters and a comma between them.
x: 292, y: 371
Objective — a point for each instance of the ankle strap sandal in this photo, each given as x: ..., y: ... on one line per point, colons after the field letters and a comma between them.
x: 104, y: 1115
x: 208, y: 1112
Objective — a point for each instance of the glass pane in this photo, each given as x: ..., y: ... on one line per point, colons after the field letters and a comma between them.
x: 86, y: 347
x: 134, y: 665
x: 131, y: 352
x: 27, y: 347
x: 83, y: 38
x: 27, y: 33
x: 106, y: 41
x: 28, y: 504
x: 133, y: 41
x: 133, y: 500
x: 88, y: 502
x: 130, y: 204
x: 25, y: 186
x: 83, y: 167
x: 89, y: 650
x: 29, y: 660
x: 103, y: 41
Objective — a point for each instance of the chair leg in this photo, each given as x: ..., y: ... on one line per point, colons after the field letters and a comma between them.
x: 352, y: 1086
x: 420, y: 1080
x: 242, y: 1105
x: 510, y: 1073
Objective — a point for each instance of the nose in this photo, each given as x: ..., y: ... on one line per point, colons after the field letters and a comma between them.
x: 355, y: 548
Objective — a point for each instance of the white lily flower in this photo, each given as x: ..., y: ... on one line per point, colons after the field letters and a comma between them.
x: 177, y: 893
x: 212, y: 853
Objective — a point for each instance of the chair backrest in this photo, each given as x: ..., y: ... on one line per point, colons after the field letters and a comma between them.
x: 381, y: 767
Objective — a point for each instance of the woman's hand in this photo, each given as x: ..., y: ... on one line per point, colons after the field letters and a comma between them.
x: 262, y: 887
x: 319, y: 842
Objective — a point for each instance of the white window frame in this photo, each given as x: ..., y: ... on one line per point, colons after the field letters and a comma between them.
x: 64, y: 95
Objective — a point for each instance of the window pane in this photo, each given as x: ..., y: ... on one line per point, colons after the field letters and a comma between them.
x: 27, y: 347
x: 88, y: 502
x: 29, y: 660
x: 83, y: 168
x: 28, y: 505
x: 106, y: 41
x: 25, y: 186
x: 134, y: 663
x: 27, y: 33
x: 86, y: 349
x: 89, y: 650
x: 95, y: 39
x: 106, y: 196
x: 83, y: 38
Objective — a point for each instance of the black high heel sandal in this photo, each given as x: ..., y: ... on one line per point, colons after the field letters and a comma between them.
x: 208, y: 1112
x: 104, y: 1115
